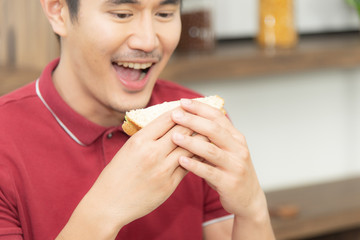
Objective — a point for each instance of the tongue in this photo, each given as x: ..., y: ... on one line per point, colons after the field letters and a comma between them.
x: 128, y: 74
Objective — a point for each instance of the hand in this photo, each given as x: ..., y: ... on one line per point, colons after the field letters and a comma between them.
x: 227, y: 167
x: 141, y: 176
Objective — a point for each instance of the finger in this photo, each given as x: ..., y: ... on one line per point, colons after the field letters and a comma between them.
x: 178, y: 175
x: 158, y: 127
x: 173, y: 158
x: 211, y: 174
x: 181, y: 172
x: 206, y: 127
x: 206, y: 111
x: 204, y: 149
x: 166, y: 142
x: 158, y: 133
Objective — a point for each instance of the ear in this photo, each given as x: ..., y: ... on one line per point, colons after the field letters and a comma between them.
x: 58, y: 15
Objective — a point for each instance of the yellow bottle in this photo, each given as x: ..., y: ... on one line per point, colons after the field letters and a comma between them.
x: 276, y: 24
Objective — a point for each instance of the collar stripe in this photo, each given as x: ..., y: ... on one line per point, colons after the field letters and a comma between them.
x: 56, y: 117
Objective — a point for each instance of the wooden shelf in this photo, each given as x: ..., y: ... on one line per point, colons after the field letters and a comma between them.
x: 329, y: 208
x: 237, y: 59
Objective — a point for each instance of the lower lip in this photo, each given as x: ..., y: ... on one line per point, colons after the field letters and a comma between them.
x: 134, y: 86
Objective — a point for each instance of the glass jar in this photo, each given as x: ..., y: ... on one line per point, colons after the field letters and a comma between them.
x: 276, y: 24
x: 197, y: 26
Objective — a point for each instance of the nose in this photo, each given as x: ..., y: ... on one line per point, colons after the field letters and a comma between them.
x: 144, y: 36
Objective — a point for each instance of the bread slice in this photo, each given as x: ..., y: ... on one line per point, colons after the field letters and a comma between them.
x: 139, y: 118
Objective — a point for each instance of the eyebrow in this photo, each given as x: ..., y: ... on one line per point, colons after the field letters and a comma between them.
x: 119, y: 2
x: 171, y: 2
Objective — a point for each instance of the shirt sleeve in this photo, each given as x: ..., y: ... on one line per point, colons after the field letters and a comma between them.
x: 10, y: 228
x: 213, y: 210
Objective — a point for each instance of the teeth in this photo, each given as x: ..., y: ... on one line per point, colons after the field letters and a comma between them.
x: 135, y: 65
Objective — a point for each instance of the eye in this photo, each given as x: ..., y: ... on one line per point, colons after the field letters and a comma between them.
x: 123, y: 15
x: 165, y: 14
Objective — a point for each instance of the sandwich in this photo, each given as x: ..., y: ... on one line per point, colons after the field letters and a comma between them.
x: 139, y: 118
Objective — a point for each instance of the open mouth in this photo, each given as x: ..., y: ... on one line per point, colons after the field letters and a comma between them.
x: 132, y: 71
x: 132, y: 75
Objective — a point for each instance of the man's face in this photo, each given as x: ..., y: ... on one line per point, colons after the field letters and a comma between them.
x: 117, y: 48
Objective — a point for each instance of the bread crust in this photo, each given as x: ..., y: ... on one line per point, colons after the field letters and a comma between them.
x: 130, y: 127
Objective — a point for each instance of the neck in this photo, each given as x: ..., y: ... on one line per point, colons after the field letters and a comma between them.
x: 80, y: 100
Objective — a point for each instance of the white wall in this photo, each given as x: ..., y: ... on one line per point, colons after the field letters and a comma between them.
x: 301, y: 128
x: 239, y: 18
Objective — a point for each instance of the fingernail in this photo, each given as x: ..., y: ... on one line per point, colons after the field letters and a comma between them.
x: 178, y: 114
x: 186, y: 101
x: 184, y: 161
x: 178, y: 137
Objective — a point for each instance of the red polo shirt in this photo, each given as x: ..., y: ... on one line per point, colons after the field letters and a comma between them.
x: 50, y: 156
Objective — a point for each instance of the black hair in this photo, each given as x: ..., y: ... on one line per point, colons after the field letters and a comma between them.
x: 73, y: 6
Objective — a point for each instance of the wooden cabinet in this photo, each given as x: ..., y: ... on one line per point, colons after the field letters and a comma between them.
x: 26, y: 38
x: 327, y: 211
x: 352, y: 234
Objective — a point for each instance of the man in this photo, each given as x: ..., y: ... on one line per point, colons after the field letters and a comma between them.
x: 68, y: 171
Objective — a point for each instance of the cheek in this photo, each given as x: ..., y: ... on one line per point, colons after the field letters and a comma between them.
x: 100, y: 41
x: 170, y: 36
x: 100, y: 37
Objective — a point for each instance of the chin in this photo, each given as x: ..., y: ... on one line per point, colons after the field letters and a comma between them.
x: 131, y: 101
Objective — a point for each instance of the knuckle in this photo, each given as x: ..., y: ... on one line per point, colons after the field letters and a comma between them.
x: 136, y: 140
x: 241, y: 138
x: 151, y: 155
x: 219, y: 113
x: 212, y: 151
x: 179, y: 151
x: 211, y: 173
x: 215, y: 128
x: 148, y: 152
x: 201, y: 137
x: 234, y: 184
x: 161, y: 173
x: 245, y: 153
x: 215, y: 113
x: 183, y: 130
x: 241, y: 170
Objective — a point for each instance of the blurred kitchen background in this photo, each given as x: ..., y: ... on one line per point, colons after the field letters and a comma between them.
x: 298, y: 105
x: 302, y: 124
x: 290, y: 75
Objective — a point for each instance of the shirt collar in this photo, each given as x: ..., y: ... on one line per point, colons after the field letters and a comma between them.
x: 81, y: 130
